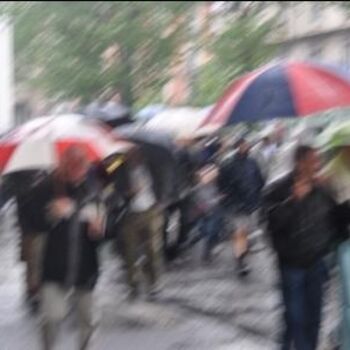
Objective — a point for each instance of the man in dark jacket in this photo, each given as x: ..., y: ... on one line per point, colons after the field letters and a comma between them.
x: 67, y: 209
x: 241, y: 183
x: 301, y: 214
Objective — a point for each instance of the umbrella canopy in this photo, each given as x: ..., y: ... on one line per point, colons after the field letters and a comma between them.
x: 38, y: 144
x: 147, y: 113
x: 111, y: 113
x: 281, y: 90
x: 336, y: 135
x: 180, y: 122
x: 160, y: 153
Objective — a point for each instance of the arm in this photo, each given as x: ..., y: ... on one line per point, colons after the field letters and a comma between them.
x: 259, y: 175
x: 35, y: 207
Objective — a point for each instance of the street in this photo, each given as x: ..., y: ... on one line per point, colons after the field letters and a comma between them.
x: 200, y: 307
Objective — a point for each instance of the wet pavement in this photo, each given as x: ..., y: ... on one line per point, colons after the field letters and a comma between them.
x: 200, y: 307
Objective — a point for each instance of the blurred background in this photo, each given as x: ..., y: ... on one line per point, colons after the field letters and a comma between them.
x: 68, y: 55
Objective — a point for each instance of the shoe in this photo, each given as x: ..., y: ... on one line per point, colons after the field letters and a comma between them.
x: 207, y: 258
x: 153, y: 294
x: 133, y: 294
x: 242, y: 268
x: 32, y: 301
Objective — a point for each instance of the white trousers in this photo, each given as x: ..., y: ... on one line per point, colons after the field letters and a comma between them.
x: 55, y: 306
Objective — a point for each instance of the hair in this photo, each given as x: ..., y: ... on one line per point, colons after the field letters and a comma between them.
x: 239, y: 142
x: 74, y: 154
x: 301, y: 152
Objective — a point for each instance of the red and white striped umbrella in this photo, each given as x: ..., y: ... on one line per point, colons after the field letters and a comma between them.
x: 39, y: 143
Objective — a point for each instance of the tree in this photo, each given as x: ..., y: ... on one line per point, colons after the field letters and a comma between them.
x: 59, y: 45
x: 242, y: 46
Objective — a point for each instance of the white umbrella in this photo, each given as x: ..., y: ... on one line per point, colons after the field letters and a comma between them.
x: 181, y: 122
x: 38, y: 144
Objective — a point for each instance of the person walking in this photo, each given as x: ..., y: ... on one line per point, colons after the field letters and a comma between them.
x: 301, y: 221
x: 141, y: 227
x: 241, y: 183
x: 208, y: 197
x: 67, y: 209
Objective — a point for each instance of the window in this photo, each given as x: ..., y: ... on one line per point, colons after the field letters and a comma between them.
x: 316, y: 11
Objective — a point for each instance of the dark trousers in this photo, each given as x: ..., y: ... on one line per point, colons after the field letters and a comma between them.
x: 302, y: 291
x: 185, y: 225
x: 210, y: 228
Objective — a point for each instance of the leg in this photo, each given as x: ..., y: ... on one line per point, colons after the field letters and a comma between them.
x: 128, y: 236
x: 314, y: 294
x: 153, y: 224
x: 165, y: 233
x: 240, y: 222
x: 85, y: 317
x: 286, y: 337
x: 240, y: 242
x: 54, y: 309
x: 185, y: 225
x: 34, y: 262
x: 211, y: 230
x: 293, y: 286
x: 25, y: 248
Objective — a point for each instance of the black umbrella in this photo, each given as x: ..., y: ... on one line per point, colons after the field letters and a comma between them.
x: 113, y: 114
x: 160, y: 152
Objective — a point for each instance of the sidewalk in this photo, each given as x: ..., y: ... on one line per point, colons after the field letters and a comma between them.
x: 200, y: 308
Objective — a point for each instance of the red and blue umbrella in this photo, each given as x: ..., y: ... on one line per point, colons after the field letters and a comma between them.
x: 281, y: 90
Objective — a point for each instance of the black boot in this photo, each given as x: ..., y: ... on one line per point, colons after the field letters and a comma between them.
x: 242, y: 267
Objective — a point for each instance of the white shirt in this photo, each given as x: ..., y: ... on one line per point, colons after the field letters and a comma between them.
x: 144, y: 198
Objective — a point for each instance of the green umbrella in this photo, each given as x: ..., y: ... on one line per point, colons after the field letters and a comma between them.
x: 335, y: 136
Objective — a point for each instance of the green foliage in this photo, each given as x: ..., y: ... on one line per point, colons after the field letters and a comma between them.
x: 59, y: 45
x: 242, y: 46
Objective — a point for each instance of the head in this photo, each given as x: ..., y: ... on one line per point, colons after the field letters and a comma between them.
x: 74, y: 165
x: 242, y: 147
x: 266, y: 141
x: 307, y: 161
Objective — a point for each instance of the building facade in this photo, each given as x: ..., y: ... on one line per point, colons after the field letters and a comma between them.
x: 6, y: 75
x: 317, y: 31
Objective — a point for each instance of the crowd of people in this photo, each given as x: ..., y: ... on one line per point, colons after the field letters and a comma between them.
x: 66, y: 215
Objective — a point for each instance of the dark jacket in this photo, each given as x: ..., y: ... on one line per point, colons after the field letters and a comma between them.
x: 241, y: 182
x: 301, y: 231
x: 19, y: 185
x: 70, y: 256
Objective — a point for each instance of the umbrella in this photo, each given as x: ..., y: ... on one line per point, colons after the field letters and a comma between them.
x: 180, y: 122
x: 113, y: 114
x: 38, y: 144
x: 149, y: 112
x: 160, y: 153
x: 281, y: 90
x: 336, y: 135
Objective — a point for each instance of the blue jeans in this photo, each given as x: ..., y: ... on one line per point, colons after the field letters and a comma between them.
x: 210, y: 227
x: 302, y: 291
